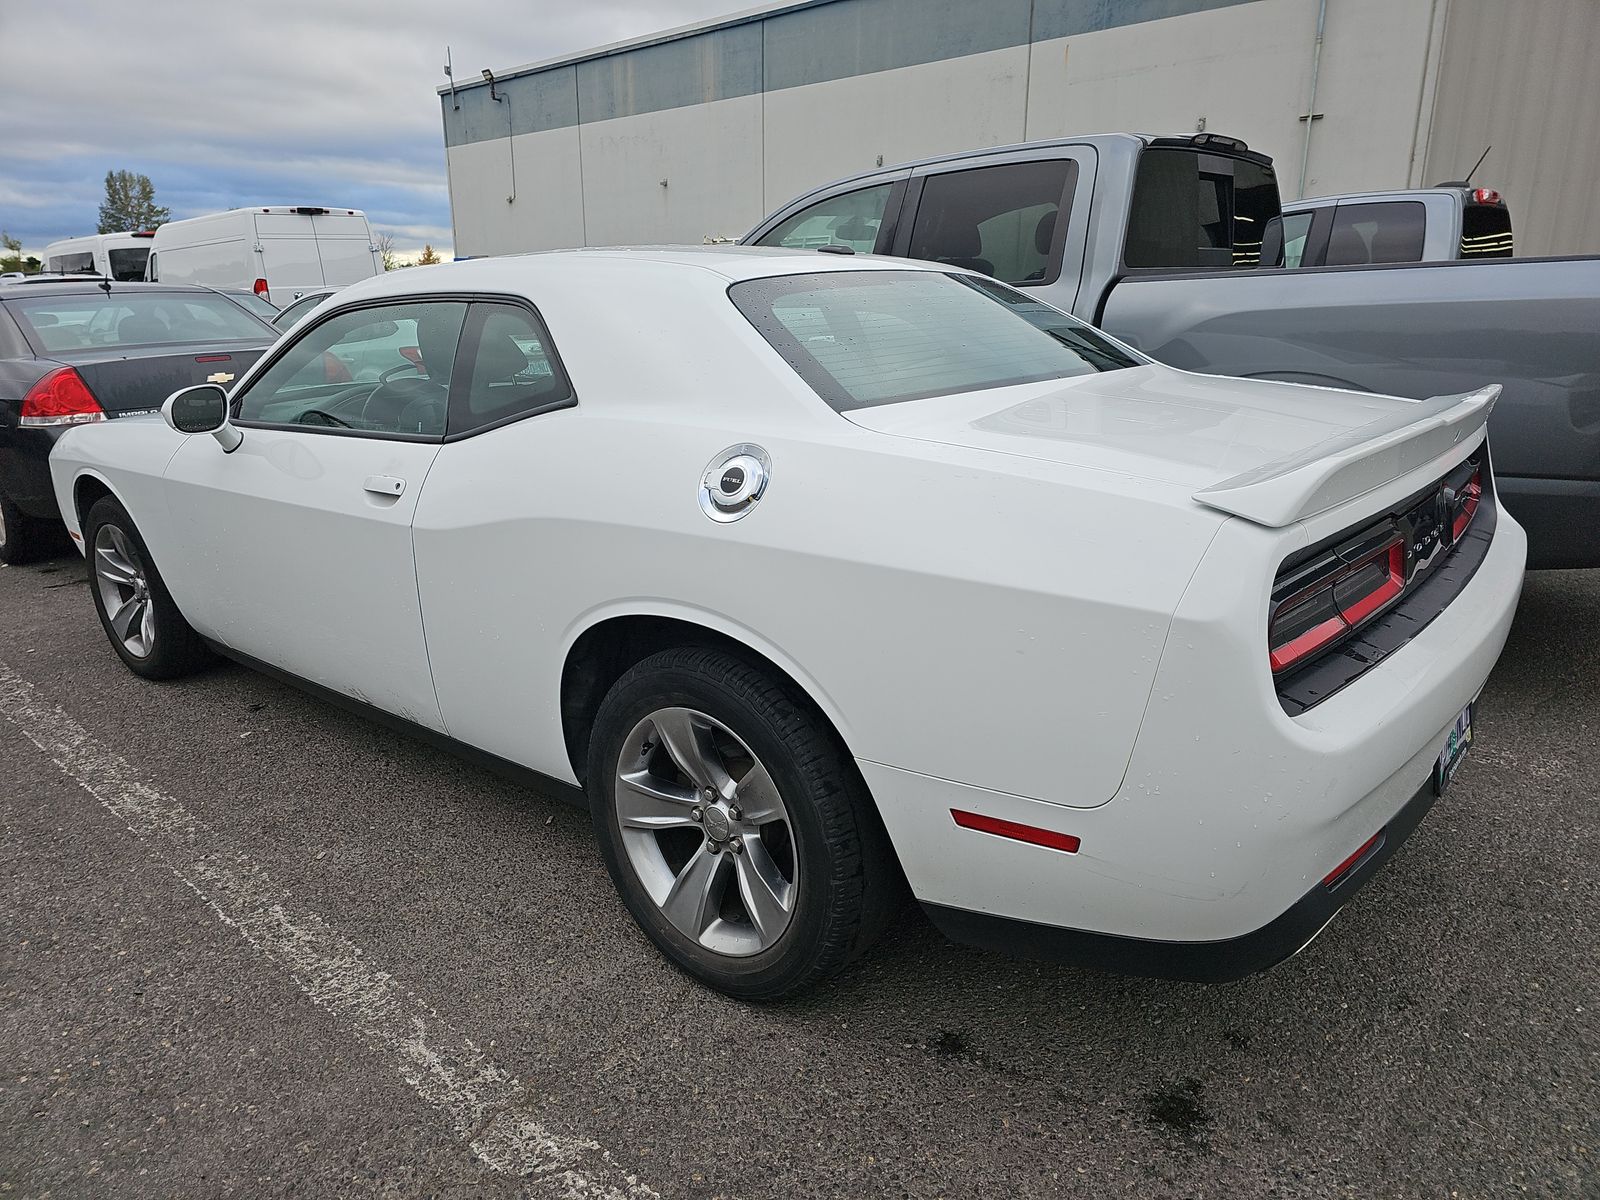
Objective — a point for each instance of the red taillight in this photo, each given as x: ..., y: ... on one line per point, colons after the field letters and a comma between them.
x: 1344, y: 868
x: 61, y: 398
x: 260, y: 288
x: 1486, y: 196
x: 1470, y: 496
x: 1333, y: 603
x: 1047, y: 838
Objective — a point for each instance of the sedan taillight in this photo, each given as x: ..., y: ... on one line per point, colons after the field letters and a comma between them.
x: 1333, y: 595
x: 60, y: 398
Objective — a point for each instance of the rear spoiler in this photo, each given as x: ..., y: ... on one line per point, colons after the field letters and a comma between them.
x: 1354, y: 463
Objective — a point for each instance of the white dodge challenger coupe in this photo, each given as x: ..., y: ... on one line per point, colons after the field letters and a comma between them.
x: 815, y: 576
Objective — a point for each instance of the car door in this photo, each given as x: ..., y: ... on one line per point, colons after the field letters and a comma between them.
x: 296, y: 547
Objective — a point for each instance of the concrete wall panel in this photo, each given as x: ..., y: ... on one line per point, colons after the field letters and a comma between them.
x: 548, y: 209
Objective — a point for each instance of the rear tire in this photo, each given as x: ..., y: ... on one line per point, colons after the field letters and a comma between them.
x: 19, y: 535
x: 137, y: 612
x: 787, y: 869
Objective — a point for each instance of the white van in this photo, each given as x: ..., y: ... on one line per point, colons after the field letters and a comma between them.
x: 111, y: 255
x: 276, y: 252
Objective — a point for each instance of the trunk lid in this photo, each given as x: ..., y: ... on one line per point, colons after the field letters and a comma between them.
x: 128, y: 380
x: 1270, y: 452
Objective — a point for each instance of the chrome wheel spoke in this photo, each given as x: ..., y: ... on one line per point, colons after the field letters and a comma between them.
x: 147, y: 628
x: 645, y: 802
x: 689, y: 743
x: 131, y: 610
x: 768, y: 896
x: 111, y: 566
x: 757, y: 797
x: 692, y: 903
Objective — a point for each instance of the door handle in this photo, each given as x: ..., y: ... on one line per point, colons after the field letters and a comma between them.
x: 383, y: 485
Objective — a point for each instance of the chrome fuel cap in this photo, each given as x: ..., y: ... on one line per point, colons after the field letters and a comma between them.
x: 734, y: 482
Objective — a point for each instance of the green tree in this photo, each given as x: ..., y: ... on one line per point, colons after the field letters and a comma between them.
x: 12, y: 259
x: 130, y: 203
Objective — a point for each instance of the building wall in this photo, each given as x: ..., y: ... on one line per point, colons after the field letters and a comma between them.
x: 738, y: 118
x: 1524, y: 78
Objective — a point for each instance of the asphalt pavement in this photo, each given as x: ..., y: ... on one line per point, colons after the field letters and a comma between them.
x: 254, y: 946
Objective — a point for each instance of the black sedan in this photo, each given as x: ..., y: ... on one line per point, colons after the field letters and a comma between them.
x: 88, y: 350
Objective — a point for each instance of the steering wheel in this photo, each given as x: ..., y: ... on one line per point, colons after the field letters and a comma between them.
x: 322, y: 418
x: 397, y: 370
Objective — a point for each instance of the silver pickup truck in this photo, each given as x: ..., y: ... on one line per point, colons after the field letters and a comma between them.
x: 1437, y: 224
x: 1160, y: 242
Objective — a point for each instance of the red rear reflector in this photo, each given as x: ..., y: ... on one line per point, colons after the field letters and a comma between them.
x: 1048, y: 838
x: 205, y: 358
x: 1343, y: 868
x: 260, y: 288
x: 1486, y: 196
x: 61, y: 398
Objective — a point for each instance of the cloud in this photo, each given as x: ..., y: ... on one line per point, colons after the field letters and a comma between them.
x: 226, y: 105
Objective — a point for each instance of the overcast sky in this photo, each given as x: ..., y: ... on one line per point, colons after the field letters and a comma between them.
x: 228, y: 105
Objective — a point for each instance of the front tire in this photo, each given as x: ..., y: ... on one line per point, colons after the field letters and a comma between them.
x: 137, y: 612
x: 735, y: 825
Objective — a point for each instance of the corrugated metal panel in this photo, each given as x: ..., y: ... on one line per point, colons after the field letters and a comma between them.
x: 1068, y: 18
x: 532, y: 104
x: 1524, y: 77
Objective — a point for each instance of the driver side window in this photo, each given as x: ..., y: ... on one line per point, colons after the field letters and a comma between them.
x: 382, y: 370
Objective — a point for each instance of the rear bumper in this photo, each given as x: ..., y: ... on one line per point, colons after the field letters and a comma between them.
x: 1561, y: 517
x: 25, y: 471
x: 1194, y: 962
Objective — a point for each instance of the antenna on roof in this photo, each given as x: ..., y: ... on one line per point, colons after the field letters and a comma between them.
x: 1479, y: 163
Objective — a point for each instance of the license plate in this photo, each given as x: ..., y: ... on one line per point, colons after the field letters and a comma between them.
x: 1456, y: 744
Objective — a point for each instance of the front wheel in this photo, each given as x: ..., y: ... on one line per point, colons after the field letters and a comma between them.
x: 735, y: 826
x: 137, y: 612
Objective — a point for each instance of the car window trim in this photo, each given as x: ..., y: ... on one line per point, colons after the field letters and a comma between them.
x: 471, y: 333
x: 292, y: 338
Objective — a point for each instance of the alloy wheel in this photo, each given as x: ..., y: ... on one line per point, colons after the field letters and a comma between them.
x: 706, y: 832
x: 119, y: 575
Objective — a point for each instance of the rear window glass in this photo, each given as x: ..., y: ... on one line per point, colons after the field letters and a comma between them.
x: 864, y: 338
x: 1390, y: 232
x: 127, y: 263
x: 1199, y: 210
x: 1486, y: 231
x: 95, y: 321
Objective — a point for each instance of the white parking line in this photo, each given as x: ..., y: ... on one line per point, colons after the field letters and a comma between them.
x: 486, y: 1106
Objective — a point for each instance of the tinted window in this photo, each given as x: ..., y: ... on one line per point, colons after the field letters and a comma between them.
x: 379, y: 370
x: 1001, y: 221
x: 862, y: 338
x: 293, y: 312
x: 1486, y: 231
x: 512, y: 371
x: 260, y: 305
x: 1286, y: 240
x: 80, y: 322
x: 851, y: 219
x: 1376, y: 233
x: 72, y: 264
x: 1199, y: 210
x: 128, y: 262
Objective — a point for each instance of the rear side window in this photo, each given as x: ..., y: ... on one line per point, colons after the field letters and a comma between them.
x: 849, y: 219
x: 511, y: 370
x: 1001, y: 221
x: 1486, y: 231
x: 1199, y: 210
x: 864, y: 338
x: 1390, y: 232
x: 86, y: 322
x: 72, y: 264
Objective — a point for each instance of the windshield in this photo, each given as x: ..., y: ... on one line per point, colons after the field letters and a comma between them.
x: 863, y: 338
x: 90, y: 321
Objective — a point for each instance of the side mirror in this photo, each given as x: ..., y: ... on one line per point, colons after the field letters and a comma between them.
x: 202, y: 409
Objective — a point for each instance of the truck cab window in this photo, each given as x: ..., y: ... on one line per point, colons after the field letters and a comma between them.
x: 1001, y: 221
x: 1199, y: 210
x: 1376, y: 233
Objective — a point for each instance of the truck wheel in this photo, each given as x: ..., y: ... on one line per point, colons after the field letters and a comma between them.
x: 141, y: 621
x: 735, y: 825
